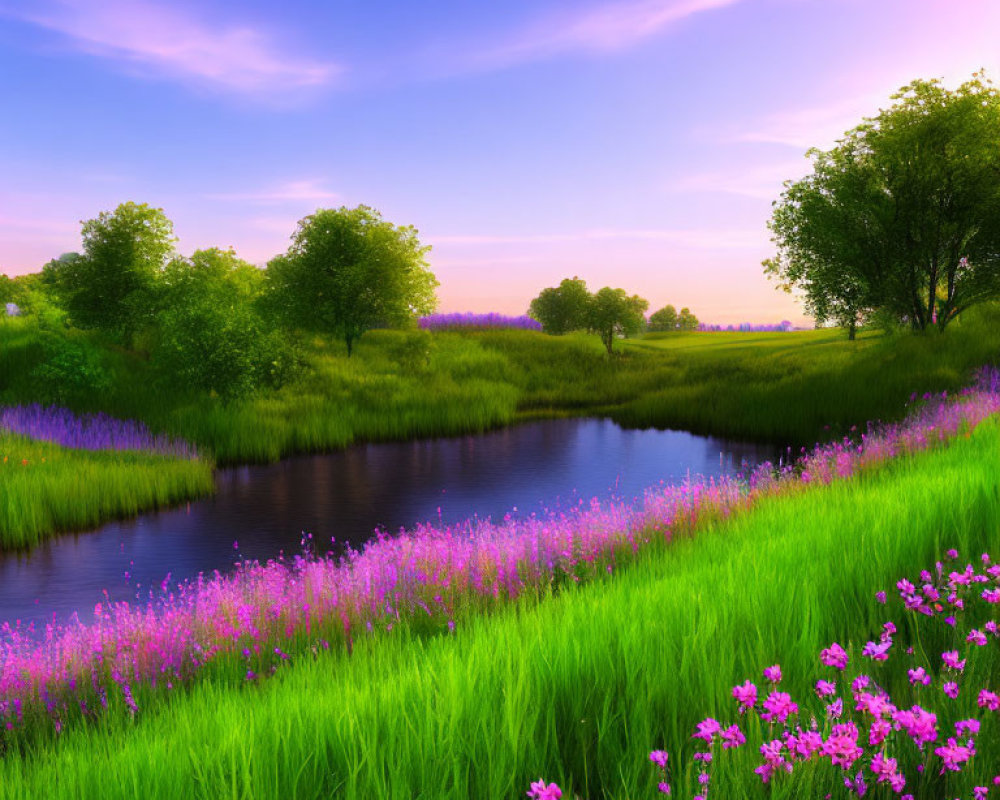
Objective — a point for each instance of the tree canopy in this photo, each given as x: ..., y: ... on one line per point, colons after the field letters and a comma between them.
x: 563, y: 308
x: 108, y: 286
x: 347, y: 271
x: 902, y: 217
x: 665, y: 319
x: 614, y: 313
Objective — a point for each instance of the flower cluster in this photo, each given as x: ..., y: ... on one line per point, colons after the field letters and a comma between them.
x: 748, y: 327
x: 910, y: 738
x: 88, y: 431
x: 439, y: 322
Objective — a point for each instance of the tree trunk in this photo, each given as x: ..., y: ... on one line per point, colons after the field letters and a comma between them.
x: 350, y: 345
x: 852, y: 330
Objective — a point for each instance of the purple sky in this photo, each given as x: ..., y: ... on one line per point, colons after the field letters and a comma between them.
x: 635, y: 143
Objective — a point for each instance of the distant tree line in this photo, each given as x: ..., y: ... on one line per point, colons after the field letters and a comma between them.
x: 610, y: 313
x: 900, y: 222
x: 211, y: 320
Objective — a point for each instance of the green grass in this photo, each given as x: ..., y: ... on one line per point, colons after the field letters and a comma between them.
x: 788, y: 388
x: 45, y: 488
x: 577, y: 688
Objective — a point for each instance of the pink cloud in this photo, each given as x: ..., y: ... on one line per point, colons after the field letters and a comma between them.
x: 167, y: 41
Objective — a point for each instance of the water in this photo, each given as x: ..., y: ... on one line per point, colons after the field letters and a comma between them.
x: 346, y: 495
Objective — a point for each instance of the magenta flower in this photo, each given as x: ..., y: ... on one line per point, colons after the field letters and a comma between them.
x: 707, y: 728
x: 842, y: 745
x: 919, y: 725
x: 834, y: 656
x: 659, y: 757
x: 540, y: 791
x: 732, y: 737
x: 877, y: 652
x: 952, y: 660
x: 954, y: 755
x: 778, y: 707
x: 976, y: 637
x: 746, y: 696
x: 967, y: 727
x: 989, y: 700
x: 918, y: 675
x: 773, y: 674
x: 825, y: 688
x: 951, y: 689
x: 663, y: 787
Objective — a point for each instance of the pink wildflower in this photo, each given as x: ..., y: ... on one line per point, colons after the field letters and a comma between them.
x: 746, y: 696
x: 778, y: 706
x: 834, y: 656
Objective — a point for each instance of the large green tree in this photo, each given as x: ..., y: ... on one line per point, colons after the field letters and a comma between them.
x: 562, y: 308
x: 613, y: 313
x: 347, y: 271
x: 110, y: 286
x: 902, y: 217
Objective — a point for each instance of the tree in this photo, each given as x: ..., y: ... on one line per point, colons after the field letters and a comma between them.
x: 613, y: 313
x: 903, y: 216
x: 663, y: 320
x: 687, y: 321
x: 563, y: 308
x: 347, y: 271
x: 110, y: 286
x: 210, y: 334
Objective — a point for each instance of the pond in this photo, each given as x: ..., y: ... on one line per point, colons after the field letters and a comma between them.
x: 260, y: 511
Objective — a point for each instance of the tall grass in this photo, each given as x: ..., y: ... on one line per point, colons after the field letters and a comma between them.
x: 578, y: 688
x: 45, y: 488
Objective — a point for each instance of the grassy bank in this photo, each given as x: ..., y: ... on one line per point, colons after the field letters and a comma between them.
x: 578, y: 688
x: 790, y: 388
x: 45, y: 488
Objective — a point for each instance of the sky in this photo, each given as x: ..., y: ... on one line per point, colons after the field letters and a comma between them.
x: 637, y: 143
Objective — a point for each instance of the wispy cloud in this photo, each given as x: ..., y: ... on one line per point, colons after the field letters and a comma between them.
x: 311, y: 191
x: 819, y: 126
x: 164, y: 40
x: 760, y: 182
x: 603, y: 28
x: 694, y: 238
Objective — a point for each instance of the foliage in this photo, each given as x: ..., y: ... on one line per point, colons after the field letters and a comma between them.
x: 71, y: 370
x: 613, y: 313
x: 663, y: 320
x: 110, y: 286
x: 348, y: 271
x: 902, y: 216
x: 210, y: 334
x: 563, y: 308
x: 686, y: 321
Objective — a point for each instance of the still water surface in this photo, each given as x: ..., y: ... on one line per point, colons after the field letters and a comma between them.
x: 347, y: 495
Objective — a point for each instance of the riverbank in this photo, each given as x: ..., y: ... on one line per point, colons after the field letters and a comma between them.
x: 787, y: 388
x: 579, y: 687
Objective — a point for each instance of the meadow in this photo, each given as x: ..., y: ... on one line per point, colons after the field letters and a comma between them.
x: 792, y: 388
x: 576, y: 685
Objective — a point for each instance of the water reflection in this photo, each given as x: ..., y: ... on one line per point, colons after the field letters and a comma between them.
x: 347, y: 495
